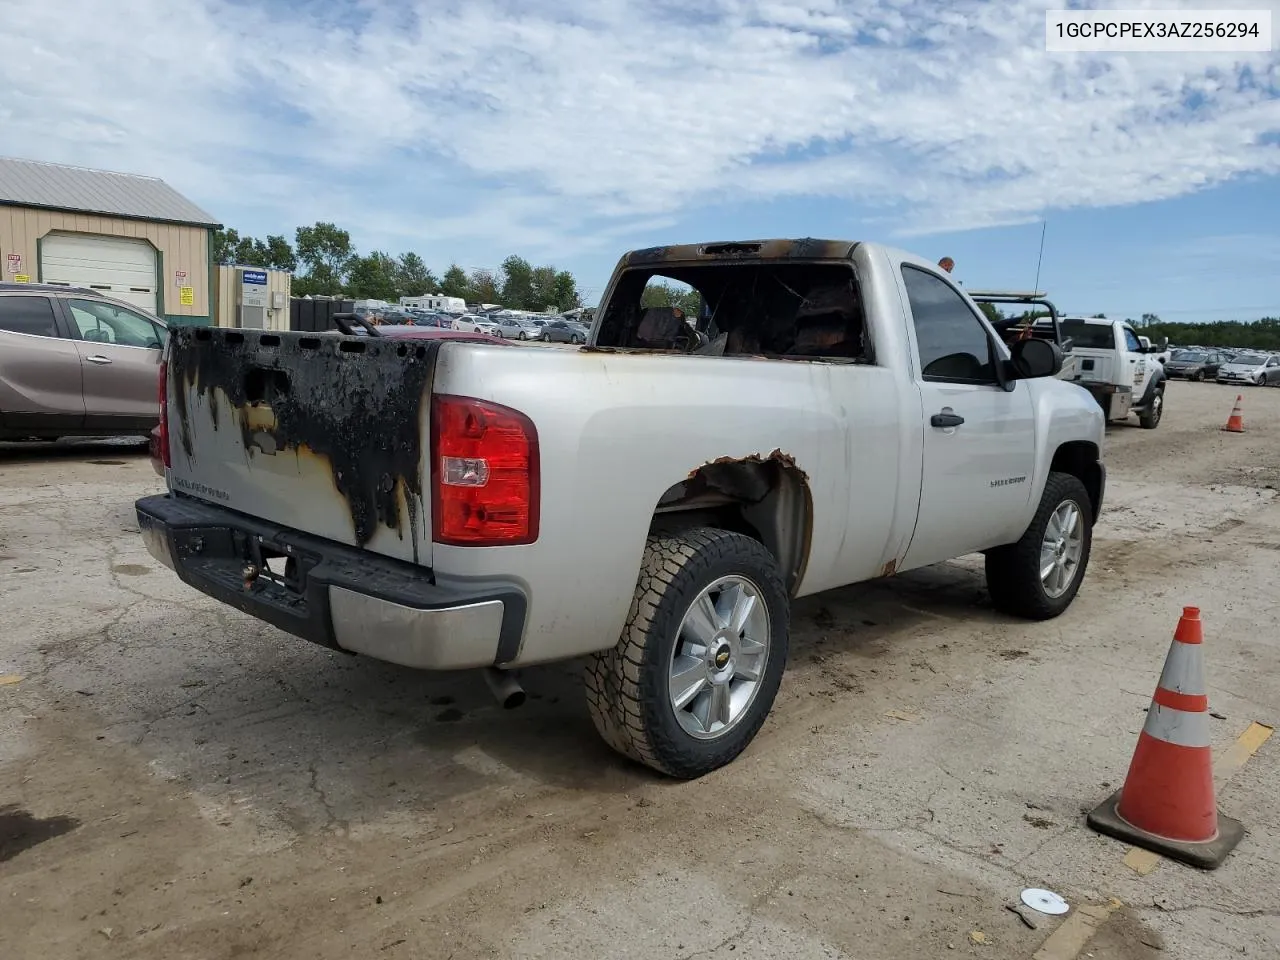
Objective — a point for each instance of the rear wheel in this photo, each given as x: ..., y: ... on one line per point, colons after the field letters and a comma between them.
x: 1198, y: 376
x: 1149, y: 419
x: 699, y: 662
x: 546, y: 338
x: 1038, y: 577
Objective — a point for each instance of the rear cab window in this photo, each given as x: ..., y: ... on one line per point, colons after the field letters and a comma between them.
x: 32, y: 315
x: 783, y: 311
x: 1089, y: 336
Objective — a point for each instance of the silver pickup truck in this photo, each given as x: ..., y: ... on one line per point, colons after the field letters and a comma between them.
x: 651, y: 501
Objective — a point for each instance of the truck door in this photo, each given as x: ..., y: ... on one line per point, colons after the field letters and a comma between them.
x: 1133, y: 364
x: 979, y: 440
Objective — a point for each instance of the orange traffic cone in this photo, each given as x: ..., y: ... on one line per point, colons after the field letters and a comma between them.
x: 1167, y: 803
x: 1235, y: 422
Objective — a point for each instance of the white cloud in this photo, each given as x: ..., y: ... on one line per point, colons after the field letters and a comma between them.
x: 561, y: 125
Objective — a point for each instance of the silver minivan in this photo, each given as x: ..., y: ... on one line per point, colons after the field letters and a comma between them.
x: 76, y: 363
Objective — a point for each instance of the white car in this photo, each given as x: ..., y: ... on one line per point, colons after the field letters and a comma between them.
x: 470, y: 323
x: 1256, y: 369
x: 518, y: 328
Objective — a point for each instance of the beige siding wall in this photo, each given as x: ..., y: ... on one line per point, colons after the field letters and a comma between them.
x: 180, y: 247
x: 228, y: 297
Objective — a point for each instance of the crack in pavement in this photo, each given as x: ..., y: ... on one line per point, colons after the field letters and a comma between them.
x: 333, y: 820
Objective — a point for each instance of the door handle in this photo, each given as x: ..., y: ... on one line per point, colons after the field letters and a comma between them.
x: 946, y: 418
x: 98, y: 358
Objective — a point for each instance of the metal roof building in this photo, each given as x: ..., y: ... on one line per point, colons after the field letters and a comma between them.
x: 132, y: 236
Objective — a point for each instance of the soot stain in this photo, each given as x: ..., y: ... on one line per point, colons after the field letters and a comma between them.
x: 361, y: 411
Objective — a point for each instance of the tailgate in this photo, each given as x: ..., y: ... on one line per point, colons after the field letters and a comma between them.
x: 320, y: 433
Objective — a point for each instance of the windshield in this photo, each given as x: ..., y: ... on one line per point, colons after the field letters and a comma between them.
x: 1189, y: 356
x: 1095, y: 336
x: 1250, y: 360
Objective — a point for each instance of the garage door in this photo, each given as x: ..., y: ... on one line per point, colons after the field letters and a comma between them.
x: 122, y: 268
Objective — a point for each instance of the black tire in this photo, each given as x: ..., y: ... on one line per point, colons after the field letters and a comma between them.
x: 628, y: 685
x: 1150, y: 418
x: 1198, y: 376
x: 546, y: 338
x: 575, y: 339
x: 1262, y: 379
x: 1013, y: 571
x: 523, y: 335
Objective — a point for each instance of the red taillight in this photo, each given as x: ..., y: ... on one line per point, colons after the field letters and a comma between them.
x: 164, y: 411
x: 484, y: 474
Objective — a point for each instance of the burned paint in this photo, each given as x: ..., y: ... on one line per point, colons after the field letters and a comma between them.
x: 777, y: 456
x: 356, y: 406
x: 647, y: 255
x: 805, y: 248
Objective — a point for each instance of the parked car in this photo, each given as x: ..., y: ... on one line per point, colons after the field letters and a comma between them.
x: 562, y: 331
x: 465, y: 321
x: 1194, y: 364
x: 475, y: 324
x: 74, y: 362
x: 355, y: 325
x: 480, y: 520
x: 439, y: 333
x: 518, y: 328
x: 1257, y: 369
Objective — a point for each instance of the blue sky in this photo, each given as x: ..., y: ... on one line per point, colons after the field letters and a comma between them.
x: 570, y: 130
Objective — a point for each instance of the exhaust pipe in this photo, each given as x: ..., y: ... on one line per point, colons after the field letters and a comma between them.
x: 505, y: 687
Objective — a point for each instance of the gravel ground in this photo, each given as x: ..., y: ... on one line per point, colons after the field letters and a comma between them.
x: 180, y: 781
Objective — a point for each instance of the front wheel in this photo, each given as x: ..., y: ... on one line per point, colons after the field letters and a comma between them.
x: 575, y: 339
x: 1198, y: 376
x: 699, y: 662
x: 1038, y: 577
x: 1150, y: 418
x: 523, y: 335
x: 1262, y: 380
x: 546, y: 338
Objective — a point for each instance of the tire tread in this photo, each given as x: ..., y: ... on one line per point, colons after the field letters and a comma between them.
x: 622, y: 687
x: 1013, y: 571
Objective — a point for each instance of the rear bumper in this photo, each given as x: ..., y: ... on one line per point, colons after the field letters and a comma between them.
x: 335, y: 595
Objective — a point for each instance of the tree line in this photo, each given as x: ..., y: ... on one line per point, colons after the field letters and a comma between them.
x: 1261, y: 334
x: 325, y: 263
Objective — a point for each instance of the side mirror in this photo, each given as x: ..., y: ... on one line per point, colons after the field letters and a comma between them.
x: 1032, y: 359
